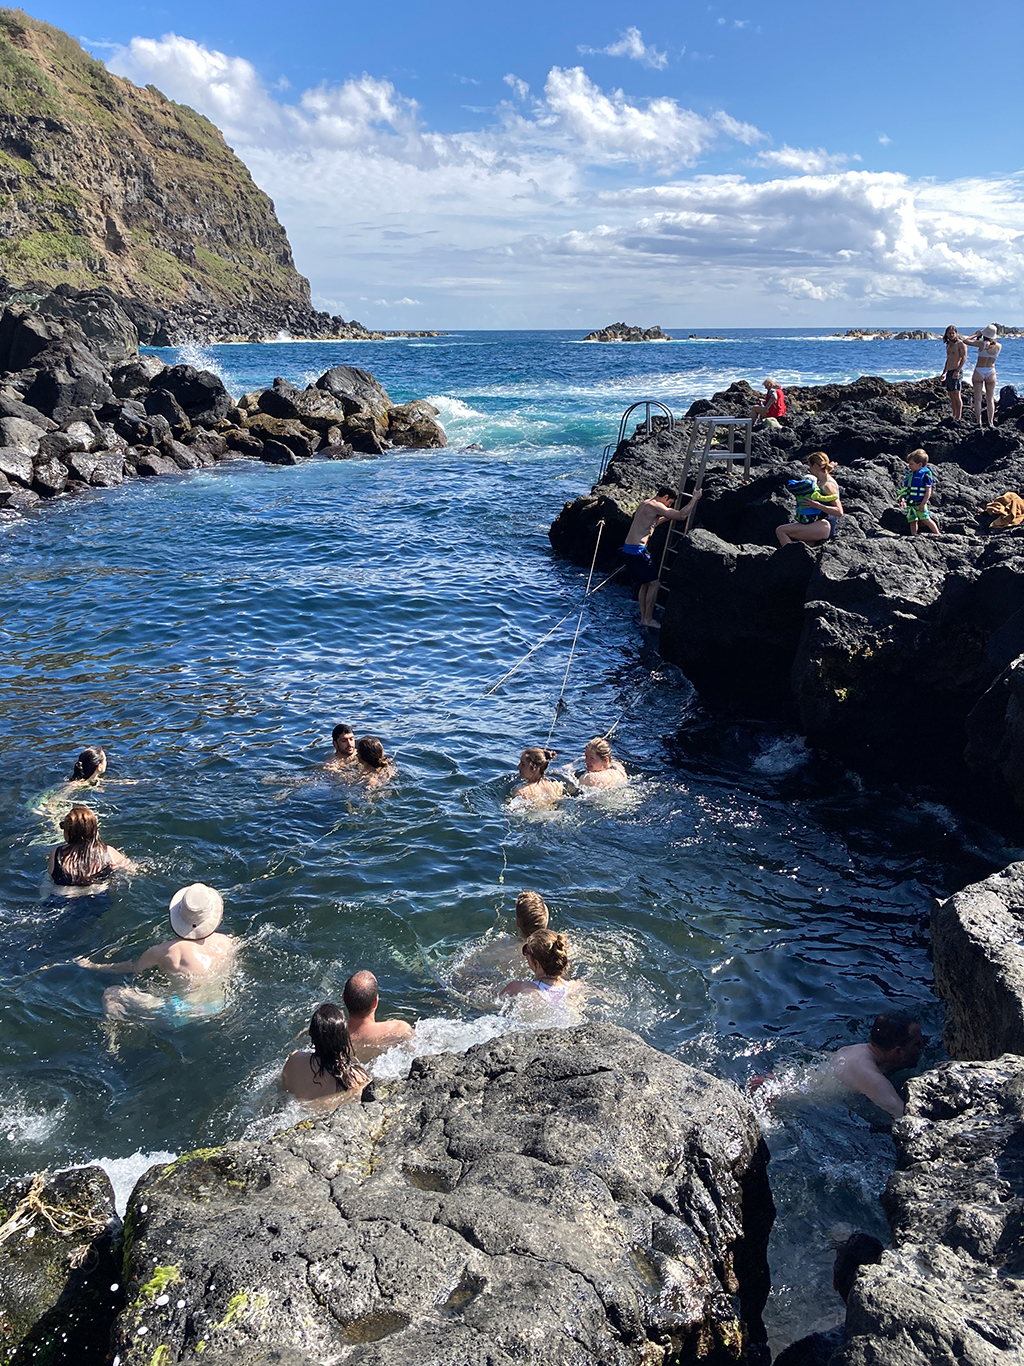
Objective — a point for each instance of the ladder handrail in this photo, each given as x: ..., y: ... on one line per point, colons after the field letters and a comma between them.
x: 647, y: 404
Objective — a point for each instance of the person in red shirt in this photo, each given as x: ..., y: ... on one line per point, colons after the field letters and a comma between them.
x: 774, y: 404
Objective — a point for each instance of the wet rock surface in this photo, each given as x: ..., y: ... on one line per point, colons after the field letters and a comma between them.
x: 978, y: 948
x: 624, y: 332
x: 571, y: 1196
x: 839, y: 638
x: 951, y: 1293
x: 59, y: 1240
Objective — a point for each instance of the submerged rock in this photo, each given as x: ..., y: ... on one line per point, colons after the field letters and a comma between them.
x: 951, y: 1293
x: 570, y: 1196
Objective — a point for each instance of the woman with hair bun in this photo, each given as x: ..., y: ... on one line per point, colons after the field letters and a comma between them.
x: 90, y: 765
x: 328, y: 1072
x: 603, y: 769
x: 374, y: 765
x: 83, y: 860
x: 548, y: 956
x: 536, y: 788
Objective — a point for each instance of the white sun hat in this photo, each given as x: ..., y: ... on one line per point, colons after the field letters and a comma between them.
x: 196, y: 911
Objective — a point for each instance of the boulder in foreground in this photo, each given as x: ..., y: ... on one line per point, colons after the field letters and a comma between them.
x: 571, y: 1196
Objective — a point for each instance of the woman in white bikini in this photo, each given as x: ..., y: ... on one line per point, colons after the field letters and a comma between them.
x: 984, y: 377
x: 548, y: 956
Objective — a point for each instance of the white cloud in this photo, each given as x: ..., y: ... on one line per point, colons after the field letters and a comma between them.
x: 631, y: 44
x: 581, y: 202
x: 884, y: 139
x: 810, y: 160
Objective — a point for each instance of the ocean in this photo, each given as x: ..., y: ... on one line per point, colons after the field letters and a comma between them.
x: 745, y: 905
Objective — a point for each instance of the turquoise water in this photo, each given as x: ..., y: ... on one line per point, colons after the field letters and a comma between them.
x: 746, y: 905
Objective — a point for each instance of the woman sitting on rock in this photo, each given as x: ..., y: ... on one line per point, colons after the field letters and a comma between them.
x: 83, y: 860
x: 819, y: 511
x: 327, y: 1073
x: 602, y: 769
x: 548, y: 956
x: 533, y: 763
x: 374, y: 765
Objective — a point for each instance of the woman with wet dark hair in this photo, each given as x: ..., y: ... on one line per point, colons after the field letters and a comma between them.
x: 90, y: 764
x: 328, y: 1072
x: 83, y: 860
x: 374, y: 765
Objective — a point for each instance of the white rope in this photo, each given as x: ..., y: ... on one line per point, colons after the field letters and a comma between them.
x: 560, y: 704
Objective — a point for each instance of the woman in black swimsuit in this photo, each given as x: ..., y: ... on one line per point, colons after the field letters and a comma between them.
x: 83, y: 860
x: 329, y: 1072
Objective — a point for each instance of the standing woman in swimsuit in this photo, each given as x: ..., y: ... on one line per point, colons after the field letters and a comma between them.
x: 328, y: 1072
x: 533, y: 764
x: 83, y: 860
x: 984, y: 377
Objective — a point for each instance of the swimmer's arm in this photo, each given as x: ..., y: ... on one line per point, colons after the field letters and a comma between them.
x: 678, y: 514
x: 150, y: 959
x: 119, y: 860
x: 881, y: 1090
x: 514, y: 988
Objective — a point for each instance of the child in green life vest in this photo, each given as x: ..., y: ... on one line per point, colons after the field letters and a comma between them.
x: 917, y: 491
x: 812, y: 502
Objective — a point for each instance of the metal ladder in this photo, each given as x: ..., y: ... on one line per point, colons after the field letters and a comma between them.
x: 646, y: 426
x: 706, y: 427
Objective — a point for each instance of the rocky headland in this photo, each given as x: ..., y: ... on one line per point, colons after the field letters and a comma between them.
x: 623, y: 332
x: 81, y: 408
x: 847, y: 639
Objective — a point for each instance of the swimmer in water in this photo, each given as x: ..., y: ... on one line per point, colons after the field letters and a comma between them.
x: 374, y: 765
x: 369, y: 1035
x: 548, y: 956
x: 196, y: 962
x: 83, y: 860
x: 531, y: 913
x: 533, y: 763
x: 896, y: 1042
x: 602, y: 769
x: 343, y: 738
x: 327, y: 1073
x: 90, y: 765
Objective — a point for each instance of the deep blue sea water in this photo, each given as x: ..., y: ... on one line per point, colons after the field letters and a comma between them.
x: 746, y: 906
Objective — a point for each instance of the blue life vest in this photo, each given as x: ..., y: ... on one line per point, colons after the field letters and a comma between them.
x: 917, y: 484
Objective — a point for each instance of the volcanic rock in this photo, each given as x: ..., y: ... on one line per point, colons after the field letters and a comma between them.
x: 20, y: 435
x: 150, y: 462
x: 568, y: 1197
x: 133, y: 378
x: 16, y: 465
x: 49, y: 476
x: 109, y: 471
x: 619, y: 332
x: 64, y: 377
x: 356, y: 390
x: 415, y: 425
x: 200, y: 393
x: 162, y: 403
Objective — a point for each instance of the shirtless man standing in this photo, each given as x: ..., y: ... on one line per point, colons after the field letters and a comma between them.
x: 896, y: 1042
x: 650, y: 514
x: 369, y: 1036
x: 956, y: 358
x: 196, y: 961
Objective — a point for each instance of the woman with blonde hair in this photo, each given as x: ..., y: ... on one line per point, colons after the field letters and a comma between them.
x: 531, y: 913
x: 533, y: 764
x: 83, y: 860
x: 548, y: 956
x: 603, y: 769
x: 817, y: 515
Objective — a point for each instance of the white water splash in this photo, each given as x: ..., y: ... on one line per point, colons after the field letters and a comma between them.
x: 125, y: 1172
x: 782, y: 755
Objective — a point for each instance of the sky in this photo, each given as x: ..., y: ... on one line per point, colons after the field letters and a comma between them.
x: 566, y: 165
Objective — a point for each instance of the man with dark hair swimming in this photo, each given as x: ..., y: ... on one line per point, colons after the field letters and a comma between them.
x: 343, y: 739
x: 369, y: 1036
x: 895, y: 1043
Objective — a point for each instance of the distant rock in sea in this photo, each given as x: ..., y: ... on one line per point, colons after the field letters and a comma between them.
x: 620, y: 332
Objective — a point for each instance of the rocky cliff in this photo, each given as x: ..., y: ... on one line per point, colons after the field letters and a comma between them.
x: 102, y: 183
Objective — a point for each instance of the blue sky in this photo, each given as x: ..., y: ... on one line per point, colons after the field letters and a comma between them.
x: 563, y: 165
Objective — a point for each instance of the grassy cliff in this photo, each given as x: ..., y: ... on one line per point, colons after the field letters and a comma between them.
x: 104, y: 183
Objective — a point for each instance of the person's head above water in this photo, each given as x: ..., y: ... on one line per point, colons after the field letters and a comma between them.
x: 91, y: 763
x: 361, y: 994
x: 332, y: 1047
x: 598, y: 754
x: 531, y: 913
x: 371, y: 752
x: 547, y: 953
x: 896, y: 1039
x: 196, y: 911
x: 859, y: 1250
x: 533, y: 762
x: 343, y: 739
x: 80, y: 825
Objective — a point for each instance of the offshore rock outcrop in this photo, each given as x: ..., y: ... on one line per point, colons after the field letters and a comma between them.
x: 571, y: 1196
x: 951, y: 1292
x: 624, y: 332
x: 841, y: 639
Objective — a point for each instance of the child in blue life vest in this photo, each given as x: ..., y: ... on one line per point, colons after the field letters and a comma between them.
x: 917, y: 491
x: 811, y: 501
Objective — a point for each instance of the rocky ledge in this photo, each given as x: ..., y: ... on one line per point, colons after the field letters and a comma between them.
x: 849, y: 639
x: 80, y: 408
x: 623, y: 332
x: 951, y: 1291
x: 558, y: 1198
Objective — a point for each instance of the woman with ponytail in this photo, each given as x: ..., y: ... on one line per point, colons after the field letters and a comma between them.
x: 533, y: 763
x: 328, y: 1072
x: 90, y: 766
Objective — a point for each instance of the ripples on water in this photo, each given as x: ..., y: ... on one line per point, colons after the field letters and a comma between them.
x: 744, y: 905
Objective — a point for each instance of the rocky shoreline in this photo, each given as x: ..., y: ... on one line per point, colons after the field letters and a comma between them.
x: 80, y: 408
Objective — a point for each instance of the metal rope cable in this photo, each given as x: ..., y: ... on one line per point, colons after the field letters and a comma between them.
x: 560, y: 704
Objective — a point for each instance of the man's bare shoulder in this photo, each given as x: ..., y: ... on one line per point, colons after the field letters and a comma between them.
x: 856, y: 1057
